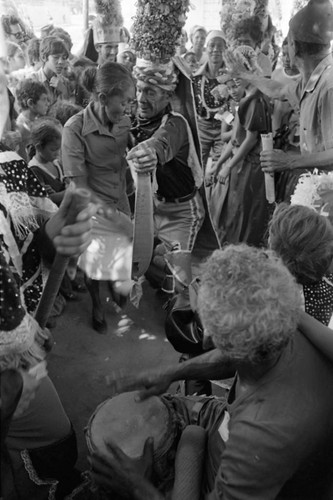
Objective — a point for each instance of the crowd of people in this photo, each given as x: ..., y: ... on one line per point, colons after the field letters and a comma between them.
x: 195, y: 126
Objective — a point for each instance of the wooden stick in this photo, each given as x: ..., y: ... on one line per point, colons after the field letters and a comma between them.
x: 80, y: 200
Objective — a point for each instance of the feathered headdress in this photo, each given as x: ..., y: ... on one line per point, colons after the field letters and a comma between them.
x: 156, y: 30
x: 233, y: 12
x: 108, y: 24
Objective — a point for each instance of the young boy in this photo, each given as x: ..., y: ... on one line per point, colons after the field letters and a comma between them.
x: 53, y: 54
x: 32, y: 98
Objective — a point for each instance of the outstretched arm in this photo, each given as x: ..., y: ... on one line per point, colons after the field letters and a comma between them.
x: 269, y: 87
x: 209, y: 366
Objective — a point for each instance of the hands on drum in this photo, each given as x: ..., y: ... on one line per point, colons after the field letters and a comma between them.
x: 118, y: 472
x: 148, y: 383
x: 143, y: 157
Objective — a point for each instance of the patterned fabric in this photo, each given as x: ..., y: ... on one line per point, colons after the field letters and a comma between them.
x: 208, y: 98
x: 23, y: 207
x: 318, y: 299
x: 164, y: 76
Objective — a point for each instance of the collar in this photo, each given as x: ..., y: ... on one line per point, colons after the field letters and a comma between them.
x: 42, y: 77
x: 317, y: 73
x: 92, y: 124
x: 203, y: 70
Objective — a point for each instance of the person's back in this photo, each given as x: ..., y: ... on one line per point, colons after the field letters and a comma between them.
x: 280, y: 442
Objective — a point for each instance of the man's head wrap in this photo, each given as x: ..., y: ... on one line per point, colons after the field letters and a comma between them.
x: 313, y: 23
x: 164, y: 76
x: 195, y: 29
x: 215, y: 34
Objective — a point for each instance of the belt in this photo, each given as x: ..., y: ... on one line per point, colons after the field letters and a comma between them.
x: 182, y: 199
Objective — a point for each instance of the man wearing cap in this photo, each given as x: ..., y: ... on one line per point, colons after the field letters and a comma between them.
x: 102, y: 39
x: 106, y: 41
x: 310, y: 34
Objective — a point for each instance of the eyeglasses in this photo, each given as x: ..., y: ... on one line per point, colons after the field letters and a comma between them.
x: 18, y: 35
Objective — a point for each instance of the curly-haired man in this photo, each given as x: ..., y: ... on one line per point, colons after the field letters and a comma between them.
x: 273, y: 435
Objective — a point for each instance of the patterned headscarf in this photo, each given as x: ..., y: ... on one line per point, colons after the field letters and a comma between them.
x: 164, y: 76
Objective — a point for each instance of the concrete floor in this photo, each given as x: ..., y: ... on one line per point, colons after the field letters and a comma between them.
x: 81, y: 358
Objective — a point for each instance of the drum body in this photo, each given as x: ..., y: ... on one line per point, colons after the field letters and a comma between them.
x: 128, y: 424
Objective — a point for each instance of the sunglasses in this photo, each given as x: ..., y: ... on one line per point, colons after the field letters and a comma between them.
x: 18, y: 35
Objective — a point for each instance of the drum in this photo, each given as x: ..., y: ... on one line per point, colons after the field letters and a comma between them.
x: 129, y: 423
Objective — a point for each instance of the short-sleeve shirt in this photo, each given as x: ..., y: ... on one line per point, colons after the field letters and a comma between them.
x: 91, y: 149
x: 254, y: 114
x: 316, y: 108
x: 53, y: 94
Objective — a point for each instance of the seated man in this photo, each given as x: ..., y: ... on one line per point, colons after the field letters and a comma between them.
x: 273, y: 436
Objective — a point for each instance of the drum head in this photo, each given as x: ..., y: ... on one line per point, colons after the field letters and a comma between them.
x: 128, y: 424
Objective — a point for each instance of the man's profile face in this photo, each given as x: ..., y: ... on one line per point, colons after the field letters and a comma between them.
x: 291, y: 49
x: 151, y: 100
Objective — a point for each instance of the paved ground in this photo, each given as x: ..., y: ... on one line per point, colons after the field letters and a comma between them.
x: 81, y: 358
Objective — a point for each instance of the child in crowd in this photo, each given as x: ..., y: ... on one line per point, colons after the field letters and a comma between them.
x: 46, y: 139
x: 64, y: 110
x: 191, y: 61
x: 127, y: 58
x: 33, y: 54
x: 245, y: 211
x: 81, y: 95
x: 54, y: 54
x: 32, y: 99
x: 236, y: 92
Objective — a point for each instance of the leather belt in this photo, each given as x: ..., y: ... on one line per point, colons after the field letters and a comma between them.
x: 182, y: 199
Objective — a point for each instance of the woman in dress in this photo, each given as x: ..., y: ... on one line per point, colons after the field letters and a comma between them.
x: 245, y: 211
x: 93, y: 152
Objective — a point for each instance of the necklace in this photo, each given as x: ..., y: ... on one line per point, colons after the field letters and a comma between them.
x: 207, y: 108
